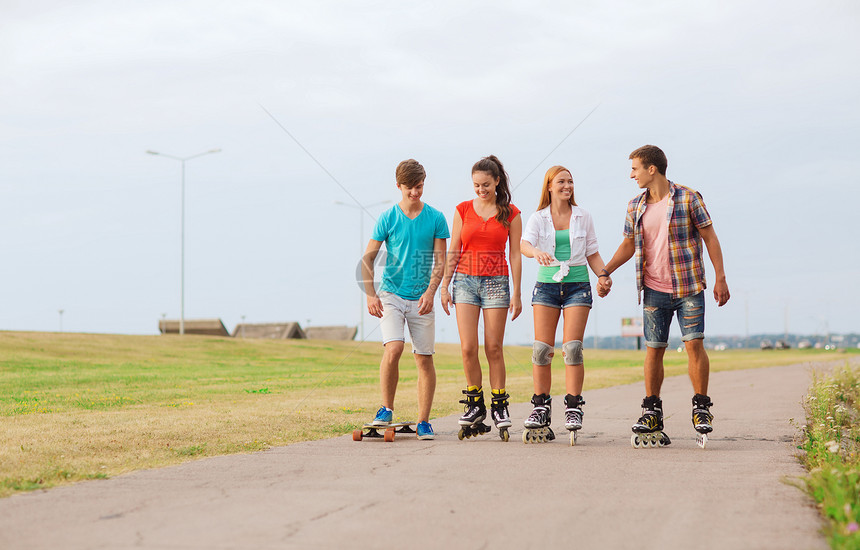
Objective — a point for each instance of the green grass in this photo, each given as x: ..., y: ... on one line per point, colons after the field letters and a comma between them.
x: 89, y: 406
x: 831, y: 439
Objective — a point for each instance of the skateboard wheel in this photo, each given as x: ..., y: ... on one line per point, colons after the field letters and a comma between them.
x: 389, y: 435
x: 356, y: 435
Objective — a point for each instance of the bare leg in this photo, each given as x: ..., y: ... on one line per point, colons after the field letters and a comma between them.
x: 574, y: 328
x: 546, y: 323
x: 389, y: 371
x: 699, y: 365
x: 426, y: 385
x: 653, y: 370
x: 467, y: 326
x: 494, y: 337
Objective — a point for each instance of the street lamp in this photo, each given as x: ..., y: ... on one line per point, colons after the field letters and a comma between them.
x: 182, y: 237
x: 361, y: 210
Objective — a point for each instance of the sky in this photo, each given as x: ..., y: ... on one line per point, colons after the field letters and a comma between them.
x: 314, y: 103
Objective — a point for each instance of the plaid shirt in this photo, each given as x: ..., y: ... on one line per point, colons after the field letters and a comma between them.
x: 685, y: 214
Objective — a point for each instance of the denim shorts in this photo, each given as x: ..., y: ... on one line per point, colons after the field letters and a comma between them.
x: 484, y: 291
x: 660, y: 307
x: 562, y: 295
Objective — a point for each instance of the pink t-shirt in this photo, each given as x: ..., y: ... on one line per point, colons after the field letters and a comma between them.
x: 655, y: 230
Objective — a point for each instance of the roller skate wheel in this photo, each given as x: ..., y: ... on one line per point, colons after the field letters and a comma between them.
x: 525, y: 436
x: 461, y: 434
x: 634, y: 441
x: 573, y: 438
x: 504, y: 435
x: 389, y: 435
x: 356, y: 435
x: 702, y: 440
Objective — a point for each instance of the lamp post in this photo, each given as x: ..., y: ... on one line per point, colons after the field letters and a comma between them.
x: 361, y: 210
x: 182, y: 236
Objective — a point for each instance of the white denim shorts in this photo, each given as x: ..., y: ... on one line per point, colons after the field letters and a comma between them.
x: 397, y: 312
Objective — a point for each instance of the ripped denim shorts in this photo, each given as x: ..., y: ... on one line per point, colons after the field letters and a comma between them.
x: 660, y: 307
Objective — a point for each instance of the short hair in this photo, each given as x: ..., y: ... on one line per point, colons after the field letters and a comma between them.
x: 651, y: 155
x: 409, y: 173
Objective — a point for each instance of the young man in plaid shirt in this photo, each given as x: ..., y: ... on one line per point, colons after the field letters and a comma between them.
x: 664, y: 228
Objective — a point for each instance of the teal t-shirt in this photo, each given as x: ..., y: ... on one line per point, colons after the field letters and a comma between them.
x: 409, y: 249
x: 577, y: 273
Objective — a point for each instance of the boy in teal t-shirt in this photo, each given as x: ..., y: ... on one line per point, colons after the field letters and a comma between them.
x: 414, y: 234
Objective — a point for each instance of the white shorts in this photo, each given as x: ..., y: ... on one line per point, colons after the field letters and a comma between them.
x: 396, y: 312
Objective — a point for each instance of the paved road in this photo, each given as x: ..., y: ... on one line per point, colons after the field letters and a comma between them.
x: 480, y: 493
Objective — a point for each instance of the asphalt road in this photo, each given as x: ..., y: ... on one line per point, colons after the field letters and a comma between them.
x: 478, y: 493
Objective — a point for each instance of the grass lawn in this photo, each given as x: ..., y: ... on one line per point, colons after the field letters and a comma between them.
x: 85, y: 406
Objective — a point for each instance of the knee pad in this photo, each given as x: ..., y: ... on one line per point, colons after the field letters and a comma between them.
x: 542, y: 354
x: 572, y: 352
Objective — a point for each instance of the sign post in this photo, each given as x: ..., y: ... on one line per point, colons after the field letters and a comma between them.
x: 632, y: 326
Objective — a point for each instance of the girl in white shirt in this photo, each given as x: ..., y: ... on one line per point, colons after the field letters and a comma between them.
x: 560, y: 236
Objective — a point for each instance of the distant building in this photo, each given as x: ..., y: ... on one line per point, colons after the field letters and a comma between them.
x: 206, y: 327
x: 340, y: 332
x: 274, y: 331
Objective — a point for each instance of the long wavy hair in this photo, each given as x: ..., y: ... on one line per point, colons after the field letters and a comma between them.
x: 545, y: 195
x: 493, y: 166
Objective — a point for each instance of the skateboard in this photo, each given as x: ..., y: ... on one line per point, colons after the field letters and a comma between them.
x: 371, y: 431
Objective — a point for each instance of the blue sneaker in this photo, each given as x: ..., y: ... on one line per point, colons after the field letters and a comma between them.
x: 425, y: 431
x: 383, y: 416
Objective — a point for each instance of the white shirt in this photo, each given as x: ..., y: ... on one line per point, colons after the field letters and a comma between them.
x: 540, y: 233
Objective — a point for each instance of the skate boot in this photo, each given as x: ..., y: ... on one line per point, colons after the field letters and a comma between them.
x: 537, y: 425
x: 499, y: 412
x: 474, y: 413
x: 573, y: 415
x: 702, y: 418
x: 648, y: 430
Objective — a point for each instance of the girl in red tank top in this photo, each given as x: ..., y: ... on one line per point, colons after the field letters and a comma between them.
x: 483, y: 228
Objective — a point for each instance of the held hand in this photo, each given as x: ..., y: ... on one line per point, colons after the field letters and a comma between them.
x: 721, y: 292
x: 601, y: 290
x: 374, y: 306
x: 543, y: 258
x: 604, y: 286
x: 516, y: 307
x: 425, y: 303
x: 447, y: 301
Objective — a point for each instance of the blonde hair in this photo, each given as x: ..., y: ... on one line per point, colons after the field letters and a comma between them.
x: 545, y: 195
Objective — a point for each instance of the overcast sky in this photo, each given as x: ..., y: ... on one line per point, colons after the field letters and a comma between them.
x: 756, y: 104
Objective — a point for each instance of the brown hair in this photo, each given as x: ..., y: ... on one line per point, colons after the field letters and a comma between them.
x: 545, y: 195
x: 651, y: 155
x: 409, y: 173
x: 493, y: 166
